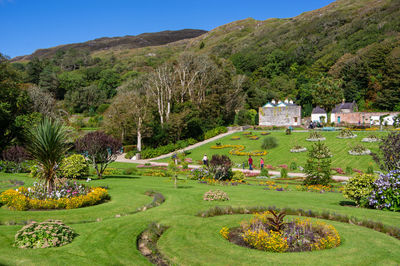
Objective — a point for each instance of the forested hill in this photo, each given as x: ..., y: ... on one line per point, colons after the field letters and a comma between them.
x: 221, y: 77
x: 118, y: 43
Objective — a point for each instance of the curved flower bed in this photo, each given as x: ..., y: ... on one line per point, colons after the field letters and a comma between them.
x: 216, y: 195
x: 238, y: 150
x: 19, y: 200
x: 268, y: 232
x: 44, y: 235
x: 315, y: 136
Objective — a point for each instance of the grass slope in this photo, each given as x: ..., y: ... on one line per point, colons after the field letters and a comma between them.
x: 282, y: 155
x: 190, y: 239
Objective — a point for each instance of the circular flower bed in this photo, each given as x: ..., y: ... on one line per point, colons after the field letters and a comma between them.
x: 67, y: 195
x: 265, y: 133
x: 44, y: 235
x: 268, y: 232
x: 254, y: 137
x: 359, y: 150
x: 246, y: 133
x: 216, y: 195
x: 346, y: 134
x: 315, y: 136
x: 371, y: 138
x: 298, y: 149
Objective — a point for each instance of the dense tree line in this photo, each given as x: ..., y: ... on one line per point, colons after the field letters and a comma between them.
x: 179, y: 92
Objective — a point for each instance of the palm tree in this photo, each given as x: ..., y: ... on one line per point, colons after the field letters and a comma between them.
x: 47, y: 144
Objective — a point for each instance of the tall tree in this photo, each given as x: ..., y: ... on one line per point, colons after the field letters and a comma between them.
x: 327, y: 93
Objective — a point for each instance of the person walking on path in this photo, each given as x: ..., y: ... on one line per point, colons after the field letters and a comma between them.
x: 262, y: 163
x: 205, y: 160
x: 250, y: 163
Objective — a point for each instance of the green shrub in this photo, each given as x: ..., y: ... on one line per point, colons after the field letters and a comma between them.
x: 284, y: 173
x: 370, y: 170
x: 102, y: 108
x: 130, y: 154
x: 128, y: 148
x: 318, y: 165
x: 44, y: 235
x: 359, y: 188
x: 269, y: 143
x: 349, y: 170
x: 238, y: 176
x: 264, y: 172
x: 214, y: 132
x: 293, y: 166
x: 130, y: 171
x: 74, y: 166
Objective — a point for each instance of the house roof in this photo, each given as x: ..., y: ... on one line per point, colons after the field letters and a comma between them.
x: 318, y: 110
x: 279, y: 104
x: 338, y: 108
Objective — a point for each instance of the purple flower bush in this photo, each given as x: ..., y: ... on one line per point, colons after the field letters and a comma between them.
x: 386, y: 192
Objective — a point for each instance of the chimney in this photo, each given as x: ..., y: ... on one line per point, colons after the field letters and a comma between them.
x: 291, y: 101
x: 343, y: 101
x: 286, y: 100
x: 273, y: 101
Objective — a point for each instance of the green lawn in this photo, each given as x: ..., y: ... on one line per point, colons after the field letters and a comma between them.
x: 282, y: 155
x: 190, y: 240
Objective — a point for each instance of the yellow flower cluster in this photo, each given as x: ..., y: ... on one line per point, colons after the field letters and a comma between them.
x: 271, y: 185
x: 331, y: 240
x: 267, y: 241
x: 16, y: 200
x: 315, y: 188
x: 365, y: 129
x: 238, y: 150
x: 224, y: 232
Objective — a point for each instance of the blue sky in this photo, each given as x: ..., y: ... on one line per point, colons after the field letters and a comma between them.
x: 27, y: 25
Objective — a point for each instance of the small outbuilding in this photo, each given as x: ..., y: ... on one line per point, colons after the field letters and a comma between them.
x: 280, y: 113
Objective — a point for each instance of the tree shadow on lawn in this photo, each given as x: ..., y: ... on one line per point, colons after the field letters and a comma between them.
x: 347, y: 203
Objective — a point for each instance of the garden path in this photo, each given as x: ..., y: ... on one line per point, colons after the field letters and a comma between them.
x: 122, y: 158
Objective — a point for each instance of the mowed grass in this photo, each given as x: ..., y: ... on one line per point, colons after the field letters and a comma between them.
x: 190, y: 240
x: 281, y: 154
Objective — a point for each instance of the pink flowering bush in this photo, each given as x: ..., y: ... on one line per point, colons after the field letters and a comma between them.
x: 44, y: 235
x: 216, y: 195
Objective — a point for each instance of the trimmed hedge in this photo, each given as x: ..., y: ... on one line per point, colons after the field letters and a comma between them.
x: 154, y: 152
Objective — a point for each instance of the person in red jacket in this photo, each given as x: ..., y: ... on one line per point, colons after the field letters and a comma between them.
x: 250, y: 163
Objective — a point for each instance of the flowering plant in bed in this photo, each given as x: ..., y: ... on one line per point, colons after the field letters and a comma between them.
x: 235, y: 138
x: 386, y: 192
x: 359, y: 150
x: 371, y: 138
x: 65, y: 195
x: 44, y: 235
x: 216, y: 195
x: 268, y: 231
x: 346, y: 134
x: 298, y: 148
x: 315, y: 136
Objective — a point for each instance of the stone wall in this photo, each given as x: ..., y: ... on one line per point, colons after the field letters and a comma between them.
x: 363, y: 117
x: 280, y: 116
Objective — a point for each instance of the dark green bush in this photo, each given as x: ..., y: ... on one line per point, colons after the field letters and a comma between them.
x: 214, y: 132
x: 318, y: 166
x: 293, y: 166
x: 130, y: 171
x: 284, y: 173
x: 269, y: 143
